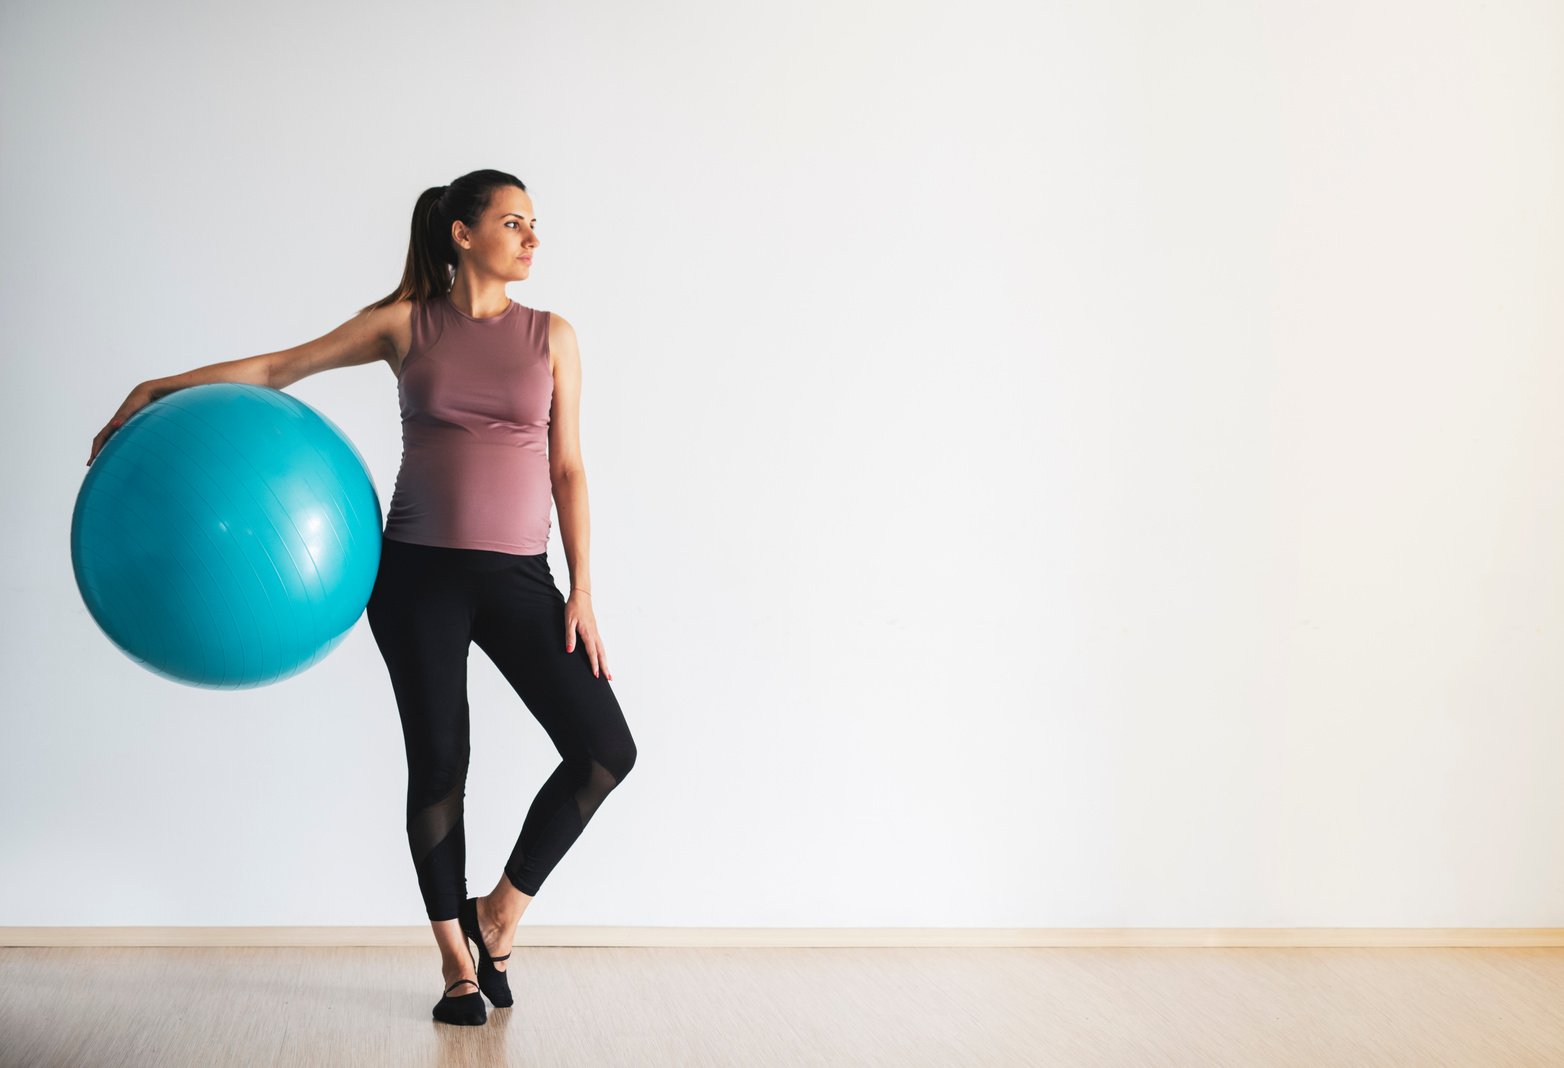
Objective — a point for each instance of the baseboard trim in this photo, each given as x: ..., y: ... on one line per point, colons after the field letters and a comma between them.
x: 815, y: 937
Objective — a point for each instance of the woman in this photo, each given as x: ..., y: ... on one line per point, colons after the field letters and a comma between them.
x: 482, y: 382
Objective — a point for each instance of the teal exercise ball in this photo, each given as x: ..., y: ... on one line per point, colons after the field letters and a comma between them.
x: 226, y: 536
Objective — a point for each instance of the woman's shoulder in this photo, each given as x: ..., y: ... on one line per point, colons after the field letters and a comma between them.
x: 558, y: 325
x: 553, y: 315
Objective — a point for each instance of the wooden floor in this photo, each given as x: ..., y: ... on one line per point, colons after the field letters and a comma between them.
x: 175, y: 1006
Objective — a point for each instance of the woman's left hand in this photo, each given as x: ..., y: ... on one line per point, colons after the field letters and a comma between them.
x: 579, y: 620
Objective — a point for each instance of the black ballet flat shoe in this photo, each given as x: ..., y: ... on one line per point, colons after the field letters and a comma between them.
x: 466, y: 1009
x: 492, y: 981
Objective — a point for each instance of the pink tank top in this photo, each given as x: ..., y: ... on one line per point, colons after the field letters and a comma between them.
x: 475, y: 397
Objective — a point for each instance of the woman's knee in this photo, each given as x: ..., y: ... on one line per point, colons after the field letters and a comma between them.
x: 621, y: 759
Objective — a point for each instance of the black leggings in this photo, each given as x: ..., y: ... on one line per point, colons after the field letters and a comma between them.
x: 429, y: 603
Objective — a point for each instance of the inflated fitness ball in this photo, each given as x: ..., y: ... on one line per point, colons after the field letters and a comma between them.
x: 227, y: 535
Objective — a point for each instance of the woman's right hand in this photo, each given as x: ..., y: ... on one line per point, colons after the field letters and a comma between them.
x: 139, y: 398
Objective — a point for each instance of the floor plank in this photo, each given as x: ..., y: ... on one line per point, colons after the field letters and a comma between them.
x: 176, y: 1006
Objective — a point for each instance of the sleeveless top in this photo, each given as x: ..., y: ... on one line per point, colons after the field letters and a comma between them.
x: 475, y: 397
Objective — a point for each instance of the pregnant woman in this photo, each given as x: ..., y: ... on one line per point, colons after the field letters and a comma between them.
x: 490, y: 393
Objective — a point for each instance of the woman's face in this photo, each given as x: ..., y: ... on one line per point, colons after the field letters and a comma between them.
x: 505, y: 237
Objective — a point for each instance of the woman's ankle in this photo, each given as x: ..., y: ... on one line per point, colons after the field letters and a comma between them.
x: 505, y: 904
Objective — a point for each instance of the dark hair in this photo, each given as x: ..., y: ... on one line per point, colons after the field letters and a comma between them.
x: 431, y: 255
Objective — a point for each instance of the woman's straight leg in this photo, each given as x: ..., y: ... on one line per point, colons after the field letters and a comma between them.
x: 420, y: 612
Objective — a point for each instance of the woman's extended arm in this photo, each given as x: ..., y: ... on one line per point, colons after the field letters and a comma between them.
x: 568, y: 475
x: 252, y: 369
x: 365, y: 337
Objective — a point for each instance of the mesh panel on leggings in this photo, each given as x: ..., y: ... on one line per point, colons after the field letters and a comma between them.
x: 599, y: 782
x: 430, y: 826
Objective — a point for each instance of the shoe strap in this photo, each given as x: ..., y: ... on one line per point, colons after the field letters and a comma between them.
x: 459, y: 982
x: 506, y: 957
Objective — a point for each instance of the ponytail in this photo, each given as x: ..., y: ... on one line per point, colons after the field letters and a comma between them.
x: 431, y: 254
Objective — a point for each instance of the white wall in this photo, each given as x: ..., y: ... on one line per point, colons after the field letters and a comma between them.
x: 1050, y: 465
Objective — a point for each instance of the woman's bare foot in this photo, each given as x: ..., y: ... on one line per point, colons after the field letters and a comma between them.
x: 452, y: 974
x: 455, y: 958
x: 498, y: 930
x: 499, y: 911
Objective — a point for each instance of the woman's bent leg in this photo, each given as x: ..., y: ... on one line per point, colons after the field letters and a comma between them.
x: 520, y: 626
